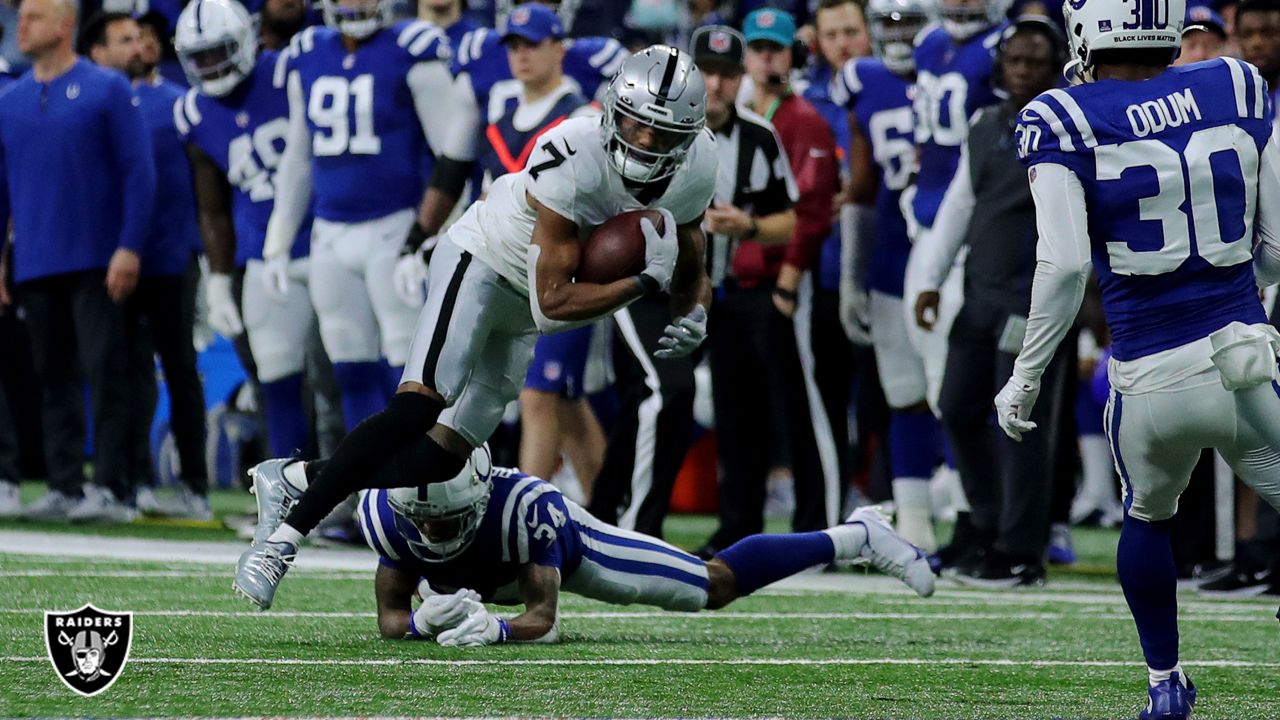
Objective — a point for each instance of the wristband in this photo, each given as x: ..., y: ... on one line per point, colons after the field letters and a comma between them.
x: 648, y: 283
x: 504, y: 631
x: 785, y: 294
x: 413, y: 632
x: 417, y: 236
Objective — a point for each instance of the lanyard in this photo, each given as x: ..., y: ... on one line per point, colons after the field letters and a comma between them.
x: 773, y: 108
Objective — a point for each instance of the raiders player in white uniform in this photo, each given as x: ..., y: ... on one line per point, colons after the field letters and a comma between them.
x: 502, y: 274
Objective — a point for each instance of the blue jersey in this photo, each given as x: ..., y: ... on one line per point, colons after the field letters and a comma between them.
x: 1169, y: 168
x: 507, y: 147
x: 589, y: 61
x: 76, y: 171
x: 952, y: 83
x: 527, y: 522
x: 881, y: 105
x: 173, y: 234
x: 244, y: 134
x: 367, y: 143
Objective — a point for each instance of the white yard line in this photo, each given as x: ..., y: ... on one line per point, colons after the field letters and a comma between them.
x: 720, y: 615
x: 553, y: 662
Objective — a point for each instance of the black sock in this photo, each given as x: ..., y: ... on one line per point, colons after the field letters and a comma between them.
x: 361, y: 454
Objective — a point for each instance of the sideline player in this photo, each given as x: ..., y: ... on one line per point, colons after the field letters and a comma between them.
x: 1160, y: 179
x: 362, y: 93
x: 234, y: 122
x: 498, y: 535
x: 877, y: 93
x: 501, y: 275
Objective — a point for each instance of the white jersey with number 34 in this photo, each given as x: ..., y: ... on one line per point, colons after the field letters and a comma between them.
x: 569, y: 174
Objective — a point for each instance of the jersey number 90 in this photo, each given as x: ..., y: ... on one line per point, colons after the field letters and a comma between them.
x: 1192, y: 188
x: 331, y: 98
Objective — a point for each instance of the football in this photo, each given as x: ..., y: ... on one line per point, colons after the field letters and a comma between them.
x: 615, y: 250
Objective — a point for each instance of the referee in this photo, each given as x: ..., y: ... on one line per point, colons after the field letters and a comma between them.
x: 755, y: 370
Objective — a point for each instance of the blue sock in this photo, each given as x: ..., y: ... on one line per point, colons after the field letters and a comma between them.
x: 287, y: 430
x: 759, y: 560
x: 915, y: 442
x: 1144, y: 561
x: 364, y: 389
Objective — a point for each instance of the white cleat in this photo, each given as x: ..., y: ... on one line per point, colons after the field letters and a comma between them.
x: 100, y: 505
x: 260, y: 570
x: 10, y: 499
x: 889, y: 553
x: 275, y: 496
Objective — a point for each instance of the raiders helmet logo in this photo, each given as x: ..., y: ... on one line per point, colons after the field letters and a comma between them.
x: 88, y: 647
x: 718, y: 42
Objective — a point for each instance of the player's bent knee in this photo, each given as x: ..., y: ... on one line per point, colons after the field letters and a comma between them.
x: 416, y: 387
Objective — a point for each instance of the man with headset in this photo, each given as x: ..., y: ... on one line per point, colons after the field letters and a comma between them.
x: 989, y: 208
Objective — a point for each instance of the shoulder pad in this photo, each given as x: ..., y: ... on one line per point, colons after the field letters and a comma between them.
x: 186, y: 112
x: 423, y: 40
x: 1053, y: 122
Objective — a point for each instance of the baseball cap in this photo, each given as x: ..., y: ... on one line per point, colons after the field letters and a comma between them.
x: 717, y: 43
x: 1203, y: 17
x: 534, y: 22
x: 776, y: 26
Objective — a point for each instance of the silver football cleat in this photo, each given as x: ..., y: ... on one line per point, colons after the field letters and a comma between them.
x: 260, y: 570
x: 889, y: 553
x: 274, y: 494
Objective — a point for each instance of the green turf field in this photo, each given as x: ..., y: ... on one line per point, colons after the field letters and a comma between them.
x: 825, y: 645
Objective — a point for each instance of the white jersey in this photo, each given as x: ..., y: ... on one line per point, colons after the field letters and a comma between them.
x: 569, y: 173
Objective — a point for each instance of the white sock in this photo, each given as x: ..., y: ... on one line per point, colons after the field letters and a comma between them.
x: 296, y: 475
x: 286, y: 533
x: 849, y: 540
x: 1159, y: 676
x: 914, y: 501
x: 1098, y: 470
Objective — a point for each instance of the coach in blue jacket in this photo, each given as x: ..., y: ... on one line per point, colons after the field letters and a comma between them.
x: 76, y: 174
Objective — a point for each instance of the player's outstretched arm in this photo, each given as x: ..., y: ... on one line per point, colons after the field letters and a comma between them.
x: 557, y: 302
x: 393, y: 589
x: 1266, y: 254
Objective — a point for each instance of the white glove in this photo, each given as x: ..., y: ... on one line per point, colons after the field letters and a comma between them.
x: 479, y: 628
x: 224, y: 317
x: 660, y: 249
x: 855, y: 314
x: 410, y: 278
x: 1014, y: 403
x: 442, y: 612
x: 684, y: 334
x: 276, y: 276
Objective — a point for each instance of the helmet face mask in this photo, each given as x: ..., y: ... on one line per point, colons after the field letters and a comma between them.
x: 962, y: 20
x: 358, y: 19
x: 440, y: 520
x: 653, y: 111
x: 894, y: 26
x: 216, y: 45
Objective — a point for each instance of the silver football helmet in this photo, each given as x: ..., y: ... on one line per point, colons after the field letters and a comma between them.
x: 962, y: 21
x: 894, y: 25
x: 216, y: 45
x: 658, y: 92
x: 358, y: 18
x: 461, y: 501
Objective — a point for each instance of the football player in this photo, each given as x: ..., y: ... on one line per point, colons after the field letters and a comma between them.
x: 234, y: 122
x: 498, y: 535
x: 953, y: 80
x: 362, y: 94
x: 876, y: 92
x: 1161, y: 180
x: 500, y: 276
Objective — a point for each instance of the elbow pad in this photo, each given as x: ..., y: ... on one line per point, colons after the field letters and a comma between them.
x: 450, y: 176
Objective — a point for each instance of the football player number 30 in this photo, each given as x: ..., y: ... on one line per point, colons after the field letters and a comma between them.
x: 331, y: 98
x: 1166, y: 208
